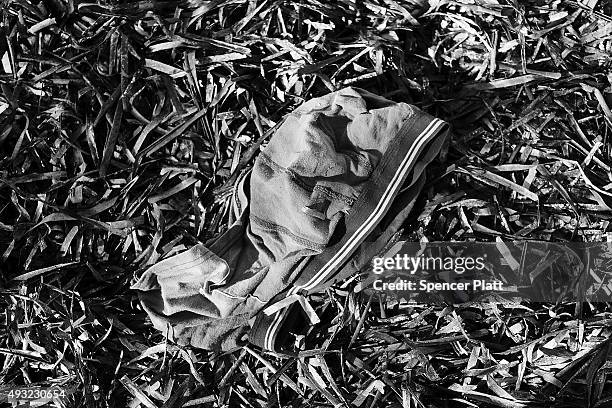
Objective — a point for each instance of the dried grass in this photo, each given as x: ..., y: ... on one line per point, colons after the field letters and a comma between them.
x: 124, y: 126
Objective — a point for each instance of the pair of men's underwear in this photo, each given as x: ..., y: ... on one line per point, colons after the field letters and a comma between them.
x: 334, y: 183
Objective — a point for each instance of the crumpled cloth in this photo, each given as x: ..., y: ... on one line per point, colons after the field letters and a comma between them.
x: 308, y: 213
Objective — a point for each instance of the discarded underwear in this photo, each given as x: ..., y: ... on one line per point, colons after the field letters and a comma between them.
x: 335, y: 182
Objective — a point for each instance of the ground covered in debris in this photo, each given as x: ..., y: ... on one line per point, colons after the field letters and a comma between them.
x: 124, y: 125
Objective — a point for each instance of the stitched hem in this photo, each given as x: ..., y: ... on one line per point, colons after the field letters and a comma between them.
x: 360, y: 159
x: 193, y: 263
x: 313, y: 187
x: 294, y: 176
x: 270, y: 226
x: 334, y: 195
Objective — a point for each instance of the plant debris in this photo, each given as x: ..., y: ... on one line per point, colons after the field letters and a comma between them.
x: 124, y: 126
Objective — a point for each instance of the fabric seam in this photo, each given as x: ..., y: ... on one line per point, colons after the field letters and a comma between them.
x: 270, y: 226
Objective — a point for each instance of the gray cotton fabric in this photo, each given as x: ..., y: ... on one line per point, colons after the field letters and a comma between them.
x: 316, y: 192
